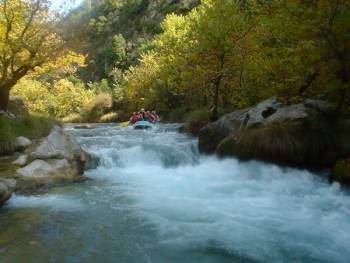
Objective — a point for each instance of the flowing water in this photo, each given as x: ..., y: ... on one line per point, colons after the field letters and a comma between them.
x: 154, y: 198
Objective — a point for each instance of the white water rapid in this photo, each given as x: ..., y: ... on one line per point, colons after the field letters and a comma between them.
x: 154, y: 198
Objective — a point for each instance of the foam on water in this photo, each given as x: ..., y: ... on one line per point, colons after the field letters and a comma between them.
x: 194, y: 208
x: 260, y: 211
x: 54, y: 201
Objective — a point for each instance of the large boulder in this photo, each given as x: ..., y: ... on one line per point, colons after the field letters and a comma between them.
x: 302, y: 134
x: 7, y: 187
x: 213, y: 133
x: 58, y: 158
x: 47, y: 172
x: 58, y: 145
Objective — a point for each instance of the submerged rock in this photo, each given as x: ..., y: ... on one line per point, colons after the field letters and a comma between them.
x: 7, y: 187
x: 58, y: 158
x: 300, y: 134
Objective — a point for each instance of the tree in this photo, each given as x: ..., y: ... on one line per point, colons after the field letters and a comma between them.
x: 220, y: 29
x: 27, y: 41
x: 200, y: 56
x: 306, y: 45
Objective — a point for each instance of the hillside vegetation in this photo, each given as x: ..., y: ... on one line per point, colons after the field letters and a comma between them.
x: 175, y: 56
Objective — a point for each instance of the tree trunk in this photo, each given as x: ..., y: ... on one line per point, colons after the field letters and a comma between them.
x: 217, y: 83
x: 4, y: 98
x: 307, y: 83
x: 343, y: 90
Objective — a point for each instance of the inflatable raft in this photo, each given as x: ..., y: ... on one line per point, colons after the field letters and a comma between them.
x: 142, y: 125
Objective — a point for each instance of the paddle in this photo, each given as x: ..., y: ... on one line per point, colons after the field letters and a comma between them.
x: 124, y: 124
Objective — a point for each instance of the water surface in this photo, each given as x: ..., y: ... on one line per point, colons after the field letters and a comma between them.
x: 154, y: 198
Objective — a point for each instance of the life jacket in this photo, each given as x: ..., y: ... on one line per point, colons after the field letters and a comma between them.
x: 152, y: 118
x: 135, y: 119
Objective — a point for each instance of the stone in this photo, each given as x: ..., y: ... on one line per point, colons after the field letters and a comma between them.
x: 21, y: 143
x: 7, y: 187
x: 22, y: 160
x: 58, y: 145
x: 48, y: 170
x: 7, y: 115
x: 213, y: 133
x: 46, y: 173
x: 58, y: 158
x: 302, y: 134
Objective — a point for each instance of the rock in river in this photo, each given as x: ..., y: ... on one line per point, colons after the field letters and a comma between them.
x: 21, y: 143
x: 303, y: 134
x: 22, y: 160
x: 6, y: 188
x: 58, y: 158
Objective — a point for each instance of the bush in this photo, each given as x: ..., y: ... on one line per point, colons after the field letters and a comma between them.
x: 31, y: 126
x: 59, y: 99
x: 119, y: 116
x: 98, y: 107
x: 176, y: 115
x: 72, y: 118
x: 36, y: 95
x: 196, y: 120
x: 69, y: 98
x: 6, y: 136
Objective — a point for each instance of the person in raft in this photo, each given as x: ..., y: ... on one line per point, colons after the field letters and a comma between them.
x: 143, y: 115
x: 135, y: 117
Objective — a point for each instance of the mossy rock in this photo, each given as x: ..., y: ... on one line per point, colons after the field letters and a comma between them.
x: 341, y: 172
x: 293, y: 143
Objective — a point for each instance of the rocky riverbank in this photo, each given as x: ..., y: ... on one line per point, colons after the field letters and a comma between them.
x: 304, y: 135
x: 57, y: 158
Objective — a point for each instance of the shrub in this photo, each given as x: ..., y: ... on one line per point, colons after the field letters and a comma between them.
x: 6, y: 136
x: 176, y: 115
x: 195, y: 120
x: 99, y: 106
x: 72, y: 118
x: 69, y: 98
x: 119, y: 116
x: 59, y: 99
x: 31, y: 126
x: 109, y: 117
x: 35, y: 94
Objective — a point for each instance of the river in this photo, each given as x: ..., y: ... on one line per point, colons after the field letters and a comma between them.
x: 154, y: 198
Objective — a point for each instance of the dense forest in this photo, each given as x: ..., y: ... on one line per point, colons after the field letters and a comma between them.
x: 116, y: 56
